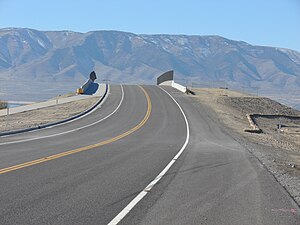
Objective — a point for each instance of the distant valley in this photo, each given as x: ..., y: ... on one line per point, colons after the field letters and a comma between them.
x: 61, y: 60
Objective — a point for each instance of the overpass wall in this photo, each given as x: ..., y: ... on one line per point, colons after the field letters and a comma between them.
x: 167, y: 83
x: 179, y: 87
x: 167, y: 79
x: 167, y: 76
x: 86, y: 85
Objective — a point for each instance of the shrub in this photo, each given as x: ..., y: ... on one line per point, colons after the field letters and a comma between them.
x: 3, y: 104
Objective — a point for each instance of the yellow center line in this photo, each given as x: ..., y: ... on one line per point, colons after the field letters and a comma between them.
x: 85, y: 148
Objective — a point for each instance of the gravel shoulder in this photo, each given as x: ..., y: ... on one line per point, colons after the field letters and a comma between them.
x: 45, y: 115
x: 277, y: 149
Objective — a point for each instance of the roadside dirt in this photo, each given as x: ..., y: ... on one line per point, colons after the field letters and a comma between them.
x: 277, y: 149
x: 45, y: 115
x: 70, y: 94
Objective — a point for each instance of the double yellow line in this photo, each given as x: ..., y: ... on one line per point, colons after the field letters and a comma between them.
x: 89, y: 147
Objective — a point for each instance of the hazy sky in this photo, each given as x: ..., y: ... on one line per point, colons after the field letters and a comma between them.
x: 260, y: 22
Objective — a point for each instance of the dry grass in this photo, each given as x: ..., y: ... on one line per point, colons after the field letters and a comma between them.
x: 45, y: 115
x: 3, y: 104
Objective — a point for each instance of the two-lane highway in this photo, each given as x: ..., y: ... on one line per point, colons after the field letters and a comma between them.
x: 90, y: 170
x: 94, y: 185
x: 215, y: 181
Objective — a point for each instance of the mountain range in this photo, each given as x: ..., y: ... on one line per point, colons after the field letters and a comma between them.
x: 66, y: 56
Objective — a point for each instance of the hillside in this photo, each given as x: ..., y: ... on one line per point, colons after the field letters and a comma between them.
x: 54, y: 56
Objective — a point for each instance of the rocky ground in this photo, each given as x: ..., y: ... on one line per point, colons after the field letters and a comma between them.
x: 277, y: 149
x: 45, y: 115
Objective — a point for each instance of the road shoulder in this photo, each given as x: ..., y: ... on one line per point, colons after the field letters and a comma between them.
x: 278, y: 152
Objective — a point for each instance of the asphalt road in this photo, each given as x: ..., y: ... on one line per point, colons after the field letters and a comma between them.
x: 96, y: 167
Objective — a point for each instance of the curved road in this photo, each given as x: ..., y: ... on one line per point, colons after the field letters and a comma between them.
x: 98, y: 164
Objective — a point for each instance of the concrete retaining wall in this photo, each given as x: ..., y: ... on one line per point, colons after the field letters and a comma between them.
x: 167, y: 83
x: 58, y: 122
x: 86, y: 85
x: 179, y: 87
x: 253, y: 125
x: 167, y: 79
x: 174, y: 85
x: 167, y: 76
x: 255, y: 128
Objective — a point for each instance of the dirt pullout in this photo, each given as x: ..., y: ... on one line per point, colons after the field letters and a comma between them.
x: 277, y: 149
x: 45, y: 115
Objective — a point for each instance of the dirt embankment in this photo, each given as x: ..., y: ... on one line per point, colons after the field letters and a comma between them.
x: 45, y: 115
x: 278, y: 148
x: 232, y: 108
x: 280, y: 124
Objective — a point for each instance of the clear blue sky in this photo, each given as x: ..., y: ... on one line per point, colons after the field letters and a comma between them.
x: 260, y: 22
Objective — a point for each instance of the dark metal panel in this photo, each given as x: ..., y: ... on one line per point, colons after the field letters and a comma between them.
x: 93, y: 76
x: 165, y: 77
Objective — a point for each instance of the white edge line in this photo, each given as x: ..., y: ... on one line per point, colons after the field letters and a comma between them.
x: 56, y: 125
x: 93, y: 110
x: 69, y: 131
x: 146, y: 190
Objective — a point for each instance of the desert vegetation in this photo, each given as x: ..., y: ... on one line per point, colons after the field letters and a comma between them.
x: 3, y: 104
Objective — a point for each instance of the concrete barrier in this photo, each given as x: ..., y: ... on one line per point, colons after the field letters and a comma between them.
x: 86, y: 85
x: 58, y: 122
x: 167, y: 83
x: 253, y: 125
x: 179, y: 87
x: 167, y: 79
